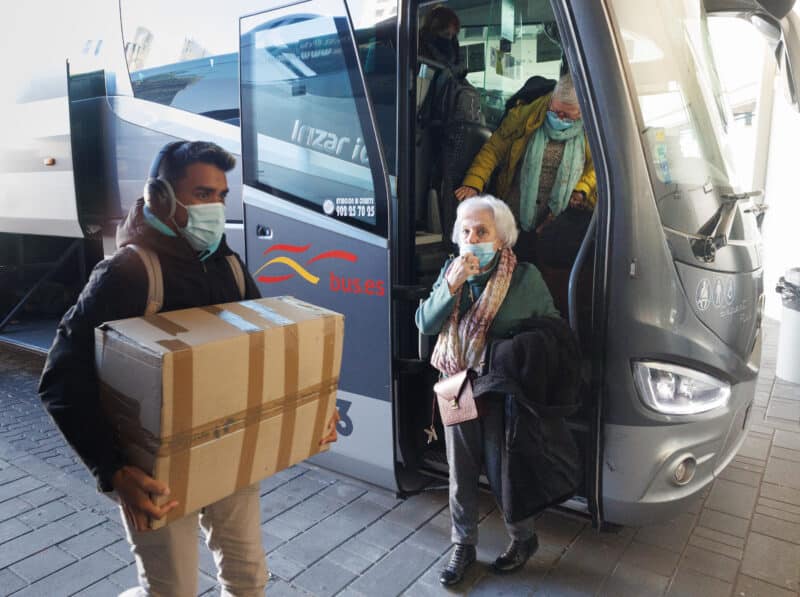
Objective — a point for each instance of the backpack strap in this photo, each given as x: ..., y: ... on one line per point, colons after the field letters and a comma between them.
x: 155, y: 279
x: 238, y: 274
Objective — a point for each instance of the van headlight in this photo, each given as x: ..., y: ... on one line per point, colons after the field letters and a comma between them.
x: 675, y: 390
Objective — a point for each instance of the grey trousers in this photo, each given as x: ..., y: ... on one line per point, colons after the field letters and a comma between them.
x: 167, y: 558
x: 469, y: 445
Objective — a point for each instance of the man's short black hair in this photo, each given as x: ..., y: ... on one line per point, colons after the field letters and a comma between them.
x: 192, y: 152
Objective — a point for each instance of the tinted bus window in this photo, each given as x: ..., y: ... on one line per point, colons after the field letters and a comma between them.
x: 306, y: 113
x: 503, y: 44
x: 185, y: 57
x: 375, y: 24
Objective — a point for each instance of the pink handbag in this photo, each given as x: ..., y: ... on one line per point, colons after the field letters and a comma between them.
x: 454, y: 395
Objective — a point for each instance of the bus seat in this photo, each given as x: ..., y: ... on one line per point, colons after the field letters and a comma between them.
x: 463, y: 143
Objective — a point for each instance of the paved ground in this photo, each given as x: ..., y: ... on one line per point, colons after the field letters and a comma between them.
x: 328, y: 534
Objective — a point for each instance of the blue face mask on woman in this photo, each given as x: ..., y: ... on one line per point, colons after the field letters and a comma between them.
x: 485, y: 252
x: 205, y: 227
x: 558, y: 124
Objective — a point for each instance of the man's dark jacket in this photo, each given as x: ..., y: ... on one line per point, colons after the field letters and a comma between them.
x: 538, y: 371
x: 117, y: 289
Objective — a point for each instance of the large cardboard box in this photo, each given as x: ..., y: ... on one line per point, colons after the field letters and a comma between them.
x: 212, y: 399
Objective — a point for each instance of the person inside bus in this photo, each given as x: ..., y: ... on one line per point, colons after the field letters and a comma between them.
x: 181, y: 220
x: 480, y: 296
x: 438, y: 38
x: 546, y: 175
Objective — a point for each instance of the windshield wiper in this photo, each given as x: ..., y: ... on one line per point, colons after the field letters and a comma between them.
x: 714, y: 233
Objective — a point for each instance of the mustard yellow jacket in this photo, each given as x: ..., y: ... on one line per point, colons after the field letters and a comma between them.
x: 508, y: 144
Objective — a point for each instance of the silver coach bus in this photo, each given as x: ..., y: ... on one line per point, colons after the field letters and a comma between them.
x: 332, y: 201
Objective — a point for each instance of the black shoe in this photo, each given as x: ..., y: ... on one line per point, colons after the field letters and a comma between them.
x: 515, y: 556
x: 461, y: 558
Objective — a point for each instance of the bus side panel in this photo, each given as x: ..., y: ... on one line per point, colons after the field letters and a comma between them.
x: 37, y: 194
x: 350, y: 275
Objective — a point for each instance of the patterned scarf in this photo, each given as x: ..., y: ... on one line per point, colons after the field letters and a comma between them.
x: 462, y: 344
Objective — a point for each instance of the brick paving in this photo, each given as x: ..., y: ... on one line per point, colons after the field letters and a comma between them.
x: 331, y: 535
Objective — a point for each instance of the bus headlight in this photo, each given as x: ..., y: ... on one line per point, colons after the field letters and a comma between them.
x: 675, y: 390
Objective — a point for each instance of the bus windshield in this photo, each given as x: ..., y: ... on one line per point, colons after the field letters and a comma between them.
x: 683, y: 118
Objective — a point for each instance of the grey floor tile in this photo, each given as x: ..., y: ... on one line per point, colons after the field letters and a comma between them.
x: 12, y: 528
x: 104, y: 588
x: 43, y: 563
x: 75, y: 577
x: 732, y: 498
x: 754, y: 447
x: 125, y: 578
x: 391, y: 575
x: 788, y: 410
x: 629, y: 581
x: 558, y: 529
x: 775, y: 527
x: 10, y: 582
x: 718, y: 536
x: 747, y: 586
x: 688, y: 583
x: 417, y: 510
x: 739, y: 475
x: 279, y: 588
x: 324, y: 578
x: 433, y: 535
x: 724, y: 523
x: 284, y: 567
x: 671, y: 535
x: 343, y: 492
x: 785, y: 454
x: 368, y: 551
x: 710, y: 563
x: 780, y: 493
x: 384, y: 534
x: 650, y: 557
x: 782, y: 472
x: 787, y: 439
x: 92, y: 540
x: 349, y: 560
x: 772, y: 560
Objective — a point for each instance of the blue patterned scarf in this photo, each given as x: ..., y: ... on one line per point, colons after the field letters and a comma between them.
x: 568, y: 175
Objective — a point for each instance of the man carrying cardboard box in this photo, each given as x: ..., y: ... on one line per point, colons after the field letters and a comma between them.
x: 180, y: 221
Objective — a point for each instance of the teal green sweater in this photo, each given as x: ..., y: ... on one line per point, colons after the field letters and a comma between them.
x: 527, y: 297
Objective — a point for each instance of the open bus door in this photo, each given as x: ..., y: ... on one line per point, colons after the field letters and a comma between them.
x: 316, y: 205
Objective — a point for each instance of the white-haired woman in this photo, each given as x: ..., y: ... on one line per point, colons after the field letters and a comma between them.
x: 491, y: 293
x: 546, y: 167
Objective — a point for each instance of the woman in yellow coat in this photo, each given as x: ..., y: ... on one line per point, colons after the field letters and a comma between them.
x: 543, y: 160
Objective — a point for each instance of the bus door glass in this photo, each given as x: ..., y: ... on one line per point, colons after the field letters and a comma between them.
x: 317, y: 193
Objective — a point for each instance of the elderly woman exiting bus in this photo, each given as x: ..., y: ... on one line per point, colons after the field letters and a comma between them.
x: 490, y: 294
x: 545, y: 171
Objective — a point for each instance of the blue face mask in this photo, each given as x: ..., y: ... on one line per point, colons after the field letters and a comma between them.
x: 558, y: 124
x: 485, y: 252
x: 205, y: 227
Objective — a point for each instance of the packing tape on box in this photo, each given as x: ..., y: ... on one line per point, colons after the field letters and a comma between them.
x: 128, y: 426
x: 328, y: 350
x: 182, y: 410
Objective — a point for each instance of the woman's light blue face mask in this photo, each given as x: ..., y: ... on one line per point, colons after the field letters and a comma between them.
x: 485, y: 252
x: 558, y: 124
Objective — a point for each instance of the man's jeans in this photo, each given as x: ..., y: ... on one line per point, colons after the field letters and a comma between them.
x: 469, y: 445
x: 167, y: 558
